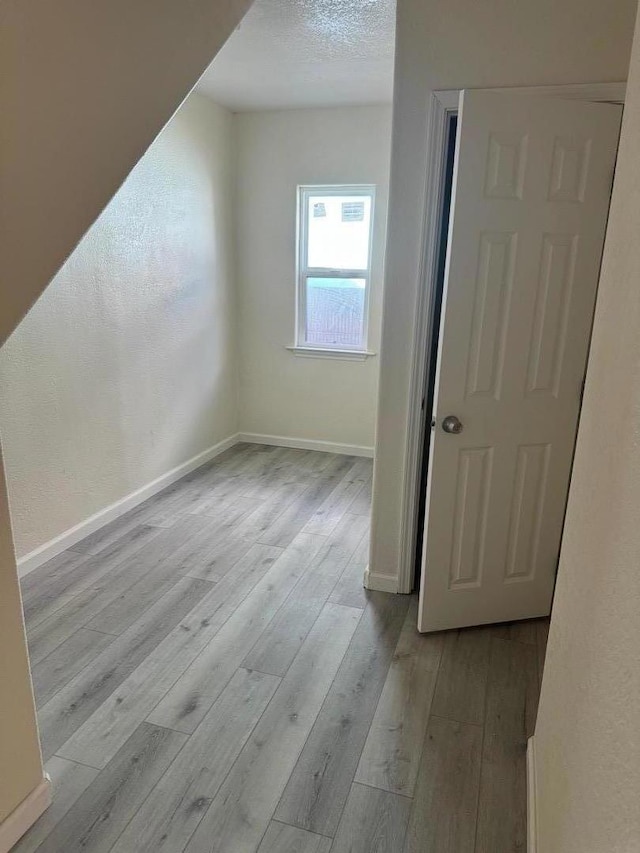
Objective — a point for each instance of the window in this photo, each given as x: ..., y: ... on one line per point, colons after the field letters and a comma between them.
x: 353, y: 211
x: 334, y: 261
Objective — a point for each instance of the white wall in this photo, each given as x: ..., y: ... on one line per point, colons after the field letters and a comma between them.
x: 281, y: 394
x: 84, y: 89
x: 452, y: 44
x: 587, y: 745
x: 20, y: 760
x: 126, y: 366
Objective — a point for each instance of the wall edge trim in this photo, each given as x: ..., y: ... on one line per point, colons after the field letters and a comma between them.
x: 306, y: 444
x: 380, y: 583
x: 94, y: 522
x: 25, y: 815
x: 532, y: 815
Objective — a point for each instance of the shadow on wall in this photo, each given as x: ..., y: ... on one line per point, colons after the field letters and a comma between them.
x: 126, y: 367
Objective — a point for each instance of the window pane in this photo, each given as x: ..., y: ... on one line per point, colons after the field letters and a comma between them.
x: 335, y: 312
x: 338, y: 231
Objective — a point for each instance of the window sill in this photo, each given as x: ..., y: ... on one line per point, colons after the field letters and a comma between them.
x: 340, y: 354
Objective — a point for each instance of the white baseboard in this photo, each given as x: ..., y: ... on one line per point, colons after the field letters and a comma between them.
x: 532, y: 815
x: 25, y: 815
x: 70, y: 537
x: 382, y: 583
x: 306, y: 444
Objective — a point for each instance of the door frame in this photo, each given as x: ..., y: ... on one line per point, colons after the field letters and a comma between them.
x: 443, y: 105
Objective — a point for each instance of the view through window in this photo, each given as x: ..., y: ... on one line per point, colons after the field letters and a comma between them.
x: 334, y: 233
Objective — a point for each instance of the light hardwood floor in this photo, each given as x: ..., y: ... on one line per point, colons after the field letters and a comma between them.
x: 211, y: 676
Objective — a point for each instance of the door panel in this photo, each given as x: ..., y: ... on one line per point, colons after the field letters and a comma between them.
x: 470, y: 517
x: 525, y: 517
x: 553, y: 300
x: 530, y: 201
x: 494, y: 283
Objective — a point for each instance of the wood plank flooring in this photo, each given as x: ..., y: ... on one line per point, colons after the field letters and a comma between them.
x: 211, y: 677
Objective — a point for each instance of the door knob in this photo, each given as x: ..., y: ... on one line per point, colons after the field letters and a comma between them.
x: 452, y: 424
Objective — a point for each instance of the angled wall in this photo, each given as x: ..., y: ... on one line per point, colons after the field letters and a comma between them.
x: 126, y: 368
x: 84, y: 90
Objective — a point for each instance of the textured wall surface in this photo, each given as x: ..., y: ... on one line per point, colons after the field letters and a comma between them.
x: 587, y: 741
x: 84, y: 90
x: 125, y: 368
x: 281, y: 394
x: 443, y: 44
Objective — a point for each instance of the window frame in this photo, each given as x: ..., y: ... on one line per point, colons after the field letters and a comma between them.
x: 304, y: 192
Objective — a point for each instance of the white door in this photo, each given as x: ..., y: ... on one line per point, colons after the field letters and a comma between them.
x: 528, y: 215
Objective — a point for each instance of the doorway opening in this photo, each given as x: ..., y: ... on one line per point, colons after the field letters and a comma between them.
x: 432, y: 358
x: 514, y: 250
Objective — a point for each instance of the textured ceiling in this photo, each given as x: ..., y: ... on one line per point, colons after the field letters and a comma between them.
x: 306, y: 53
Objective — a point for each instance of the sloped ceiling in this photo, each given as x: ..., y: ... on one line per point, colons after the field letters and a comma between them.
x: 306, y: 53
